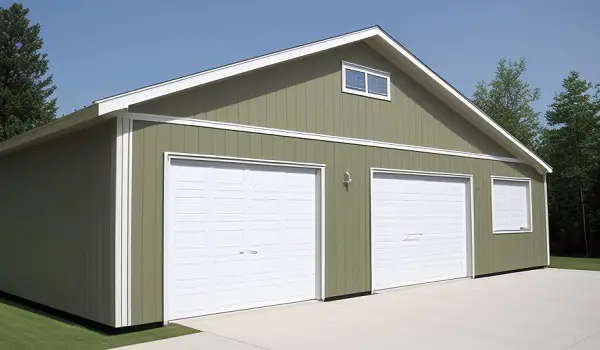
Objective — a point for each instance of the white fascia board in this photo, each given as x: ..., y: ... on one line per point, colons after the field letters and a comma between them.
x: 437, y: 79
x: 122, y: 101
x: 53, y: 127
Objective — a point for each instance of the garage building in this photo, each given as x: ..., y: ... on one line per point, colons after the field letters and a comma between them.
x: 332, y: 169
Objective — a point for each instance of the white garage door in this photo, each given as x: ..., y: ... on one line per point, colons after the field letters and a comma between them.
x: 239, y: 236
x: 419, y: 229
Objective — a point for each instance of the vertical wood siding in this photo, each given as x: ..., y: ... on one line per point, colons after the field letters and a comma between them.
x: 56, y: 245
x: 347, y: 233
x: 306, y: 95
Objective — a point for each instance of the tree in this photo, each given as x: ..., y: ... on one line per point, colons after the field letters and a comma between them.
x: 507, y: 100
x: 26, y: 88
x: 572, y: 146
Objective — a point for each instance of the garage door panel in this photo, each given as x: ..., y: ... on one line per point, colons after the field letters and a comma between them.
x: 242, y: 236
x: 419, y: 229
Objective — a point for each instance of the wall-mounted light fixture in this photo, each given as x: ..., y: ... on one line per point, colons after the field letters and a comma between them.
x: 347, y: 178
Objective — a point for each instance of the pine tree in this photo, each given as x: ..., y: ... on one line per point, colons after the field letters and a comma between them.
x: 26, y: 88
x: 507, y: 99
x: 572, y: 146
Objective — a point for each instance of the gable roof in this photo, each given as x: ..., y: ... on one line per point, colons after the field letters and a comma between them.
x: 374, y: 36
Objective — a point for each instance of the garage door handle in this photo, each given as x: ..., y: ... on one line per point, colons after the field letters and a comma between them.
x: 249, y: 252
x: 407, y: 236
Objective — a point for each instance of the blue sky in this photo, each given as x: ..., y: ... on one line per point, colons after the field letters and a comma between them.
x: 99, y: 48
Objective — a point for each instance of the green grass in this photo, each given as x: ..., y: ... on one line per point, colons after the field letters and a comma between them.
x: 22, y: 327
x: 575, y: 263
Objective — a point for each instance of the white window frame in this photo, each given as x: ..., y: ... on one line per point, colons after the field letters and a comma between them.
x: 529, y: 206
x: 366, y: 70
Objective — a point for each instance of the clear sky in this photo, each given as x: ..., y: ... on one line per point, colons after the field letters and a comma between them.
x: 102, y: 47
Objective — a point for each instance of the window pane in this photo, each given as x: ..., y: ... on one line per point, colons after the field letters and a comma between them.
x: 511, y: 206
x: 378, y: 85
x: 355, y: 80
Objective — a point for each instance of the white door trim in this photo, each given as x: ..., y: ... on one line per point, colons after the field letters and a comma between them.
x: 320, y: 248
x: 470, y: 210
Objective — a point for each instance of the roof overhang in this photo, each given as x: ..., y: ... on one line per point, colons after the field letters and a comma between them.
x: 374, y: 36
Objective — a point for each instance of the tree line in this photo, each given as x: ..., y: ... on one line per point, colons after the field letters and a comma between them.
x: 569, y: 140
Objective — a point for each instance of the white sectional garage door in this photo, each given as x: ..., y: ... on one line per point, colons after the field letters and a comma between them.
x: 419, y: 229
x: 239, y: 236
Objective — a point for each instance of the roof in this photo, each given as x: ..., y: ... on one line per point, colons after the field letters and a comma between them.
x: 374, y: 36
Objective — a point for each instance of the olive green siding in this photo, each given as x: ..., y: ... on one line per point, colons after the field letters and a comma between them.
x: 57, y: 228
x: 306, y: 95
x: 347, y: 232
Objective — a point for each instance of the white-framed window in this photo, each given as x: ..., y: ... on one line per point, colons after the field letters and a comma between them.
x: 364, y: 81
x: 511, y: 205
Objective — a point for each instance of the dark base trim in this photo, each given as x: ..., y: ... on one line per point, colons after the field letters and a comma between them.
x: 65, y: 317
x: 347, y: 296
x: 510, y: 271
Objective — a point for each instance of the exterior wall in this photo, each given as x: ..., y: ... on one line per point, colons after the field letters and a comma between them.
x: 306, y: 95
x: 56, y: 245
x: 347, y: 231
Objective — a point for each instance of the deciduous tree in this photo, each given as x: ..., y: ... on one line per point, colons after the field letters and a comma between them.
x: 508, y: 100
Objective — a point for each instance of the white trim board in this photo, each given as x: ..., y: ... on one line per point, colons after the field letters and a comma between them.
x: 547, y: 220
x: 530, y: 199
x: 124, y: 100
x: 374, y: 36
x: 469, y: 209
x: 320, y: 210
x: 312, y: 136
x: 123, y: 222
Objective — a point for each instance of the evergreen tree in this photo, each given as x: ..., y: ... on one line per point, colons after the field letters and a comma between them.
x: 26, y: 88
x: 572, y: 146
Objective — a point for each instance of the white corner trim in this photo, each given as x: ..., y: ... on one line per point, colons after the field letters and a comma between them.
x: 547, y: 219
x: 469, y: 209
x: 366, y: 71
x: 313, y: 136
x: 320, y: 213
x: 123, y: 223
x: 118, y: 226
x: 530, y: 199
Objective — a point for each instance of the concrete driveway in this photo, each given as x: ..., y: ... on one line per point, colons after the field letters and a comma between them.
x: 540, y: 309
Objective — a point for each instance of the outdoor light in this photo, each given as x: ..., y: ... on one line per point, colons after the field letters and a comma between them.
x: 347, y: 178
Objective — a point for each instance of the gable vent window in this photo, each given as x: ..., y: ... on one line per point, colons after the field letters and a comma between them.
x: 365, y: 81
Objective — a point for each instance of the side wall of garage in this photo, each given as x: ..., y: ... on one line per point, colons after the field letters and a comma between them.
x: 347, y: 233
x: 56, y: 245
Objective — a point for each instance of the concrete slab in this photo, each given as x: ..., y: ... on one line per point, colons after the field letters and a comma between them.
x: 540, y: 309
x: 203, y: 341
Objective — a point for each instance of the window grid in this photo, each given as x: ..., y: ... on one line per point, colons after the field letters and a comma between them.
x: 365, y: 81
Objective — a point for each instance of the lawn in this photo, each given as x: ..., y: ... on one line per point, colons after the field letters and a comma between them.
x: 22, y: 327
x: 575, y: 263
